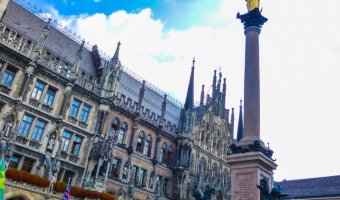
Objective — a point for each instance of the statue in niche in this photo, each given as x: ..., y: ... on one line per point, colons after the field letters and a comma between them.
x: 51, y: 142
x: 151, y: 180
x: 47, y: 166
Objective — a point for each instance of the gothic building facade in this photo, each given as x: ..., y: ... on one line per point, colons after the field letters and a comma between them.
x: 69, y: 113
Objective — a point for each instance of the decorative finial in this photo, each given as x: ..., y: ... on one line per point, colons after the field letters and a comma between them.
x: 268, y: 145
x: 193, y: 62
x: 240, y: 102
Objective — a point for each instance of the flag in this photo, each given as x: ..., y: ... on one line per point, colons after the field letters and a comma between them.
x: 2, y: 178
x: 68, y: 190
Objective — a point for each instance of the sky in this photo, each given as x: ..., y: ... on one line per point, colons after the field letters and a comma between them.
x: 299, y: 63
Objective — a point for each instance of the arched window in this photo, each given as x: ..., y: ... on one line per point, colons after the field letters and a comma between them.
x: 202, y: 136
x: 163, y: 152
x: 147, y: 146
x: 140, y: 142
x: 170, y: 155
x: 122, y: 133
x: 114, y: 127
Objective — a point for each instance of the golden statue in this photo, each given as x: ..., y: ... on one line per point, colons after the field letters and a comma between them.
x: 252, y: 4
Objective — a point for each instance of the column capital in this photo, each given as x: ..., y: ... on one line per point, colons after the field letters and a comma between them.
x: 252, y: 18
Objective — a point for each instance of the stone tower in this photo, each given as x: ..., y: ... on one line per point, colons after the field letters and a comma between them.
x: 203, y: 139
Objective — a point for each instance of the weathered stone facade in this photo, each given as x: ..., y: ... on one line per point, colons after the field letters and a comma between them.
x: 67, y: 112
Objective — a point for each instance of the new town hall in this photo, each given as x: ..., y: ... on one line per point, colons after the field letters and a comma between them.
x: 68, y: 112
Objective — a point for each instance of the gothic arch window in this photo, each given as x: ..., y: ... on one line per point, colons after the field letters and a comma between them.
x: 147, y: 146
x: 114, y: 127
x: 163, y: 153
x: 122, y: 133
x: 110, y: 83
x: 202, y: 136
x: 140, y: 142
x: 202, y: 166
x: 207, y: 140
x: 215, y: 171
x: 170, y: 155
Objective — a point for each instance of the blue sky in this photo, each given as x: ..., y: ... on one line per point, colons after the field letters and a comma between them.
x: 175, y: 14
x: 299, y: 63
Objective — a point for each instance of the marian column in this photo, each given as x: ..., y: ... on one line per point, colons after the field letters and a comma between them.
x: 251, y: 162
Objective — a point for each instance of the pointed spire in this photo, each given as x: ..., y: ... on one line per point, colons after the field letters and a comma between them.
x: 116, y: 55
x: 79, y: 56
x: 240, y: 124
x: 224, y: 92
x: 41, y: 41
x: 202, y: 96
x: 189, y: 101
x: 218, y: 89
x: 161, y: 123
x: 214, y: 85
x: 140, y: 99
x: 232, y: 122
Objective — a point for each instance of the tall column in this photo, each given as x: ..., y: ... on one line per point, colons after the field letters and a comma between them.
x: 252, y: 84
x: 254, y: 163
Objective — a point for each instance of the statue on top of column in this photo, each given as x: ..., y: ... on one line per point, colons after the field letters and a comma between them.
x: 253, y: 4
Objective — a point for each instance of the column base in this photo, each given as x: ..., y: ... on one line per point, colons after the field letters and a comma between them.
x: 247, y: 169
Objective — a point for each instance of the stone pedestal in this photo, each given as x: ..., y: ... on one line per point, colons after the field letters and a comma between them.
x: 247, y: 169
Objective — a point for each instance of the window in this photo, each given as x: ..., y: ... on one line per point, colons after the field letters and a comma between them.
x: 115, y: 167
x: 134, y: 173
x: 140, y: 181
x: 140, y: 142
x: 75, y: 108
x: 69, y: 175
x: 65, y: 141
x: 38, y: 130
x: 121, y: 134
x: 7, y: 77
x: 50, y: 96
x: 147, y: 146
x: 162, y: 156
x: 38, y: 90
x: 27, y: 165
x: 85, y: 113
x: 170, y: 155
x: 14, y: 161
x: 76, y: 145
x: 165, y: 186
x: 25, y: 125
x: 1, y: 64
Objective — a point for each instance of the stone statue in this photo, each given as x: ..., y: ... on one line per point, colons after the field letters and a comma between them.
x: 253, y: 4
x: 47, y: 166
x: 53, y: 180
x: 152, y: 180
x: 275, y: 194
x: 51, y: 142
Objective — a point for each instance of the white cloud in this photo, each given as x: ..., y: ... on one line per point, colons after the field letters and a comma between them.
x: 97, y: 1
x: 300, y: 106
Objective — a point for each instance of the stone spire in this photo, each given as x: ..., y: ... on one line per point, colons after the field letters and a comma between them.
x: 240, y: 124
x: 116, y: 55
x: 140, y: 99
x: 79, y: 56
x: 224, y: 90
x: 214, y: 85
x: 41, y: 41
x: 189, y: 101
x: 161, y: 122
x: 202, y: 97
x: 232, y: 121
